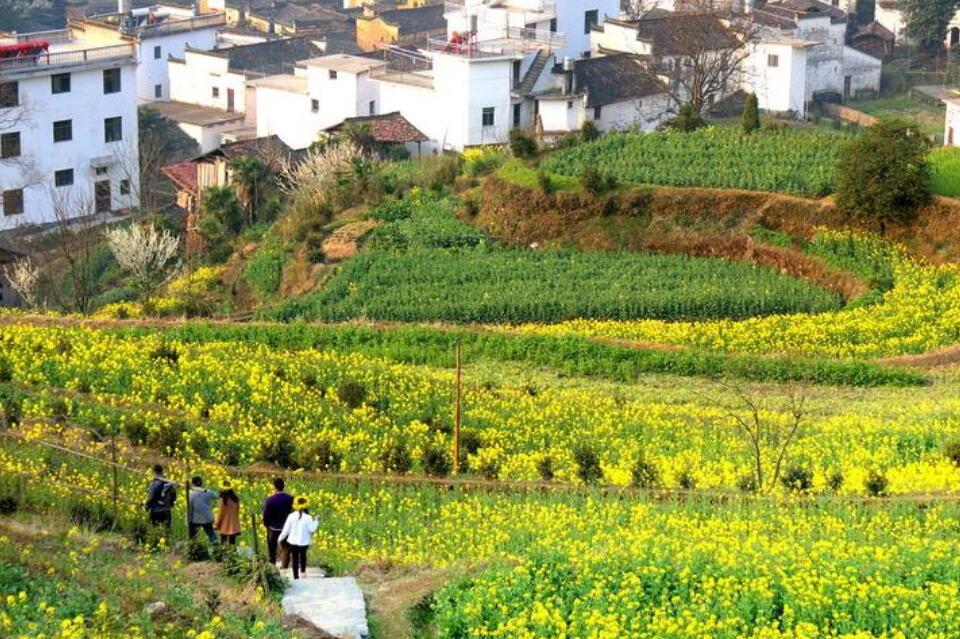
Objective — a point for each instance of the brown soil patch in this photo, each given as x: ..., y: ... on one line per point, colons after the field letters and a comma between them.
x: 659, y: 218
x: 391, y: 595
x: 937, y: 359
x: 343, y: 243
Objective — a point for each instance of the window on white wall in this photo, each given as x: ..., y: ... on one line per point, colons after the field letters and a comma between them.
x: 111, y: 81
x: 488, y: 116
x: 773, y: 60
x: 315, y: 106
x: 215, y: 92
x: 158, y: 91
x: 63, y: 178
x: 590, y: 20
x: 597, y: 112
x: 372, y: 107
x: 156, y: 52
x: 333, y: 74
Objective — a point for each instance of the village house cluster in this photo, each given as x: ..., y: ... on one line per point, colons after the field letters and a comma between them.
x: 431, y: 76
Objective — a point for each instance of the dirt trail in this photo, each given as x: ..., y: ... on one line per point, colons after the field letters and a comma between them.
x: 392, y: 595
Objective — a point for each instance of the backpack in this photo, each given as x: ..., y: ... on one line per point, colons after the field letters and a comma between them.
x: 168, y: 496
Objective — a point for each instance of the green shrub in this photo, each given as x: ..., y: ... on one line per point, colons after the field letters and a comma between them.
x: 545, y: 468
x: 876, y: 484
x: 436, y: 462
x: 884, y: 173
x: 588, y: 464
x: 351, y: 393
x: 951, y: 450
x: 747, y: 483
x: 835, y: 481
x: 797, y: 479
x: 395, y: 458
x: 264, y: 271
x: 589, y: 131
x: 320, y: 455
x: 545, y: 182
x: 644, y: 474
x: 522, y: 144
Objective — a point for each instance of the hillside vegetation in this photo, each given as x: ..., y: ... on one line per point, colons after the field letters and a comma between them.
x: 785, y: 160
x: 428, y: 266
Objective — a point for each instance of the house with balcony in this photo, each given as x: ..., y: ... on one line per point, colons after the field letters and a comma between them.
x: 158, y: 33
x: 488, y: 20
x: 68, y: 127
x: 403, y: 27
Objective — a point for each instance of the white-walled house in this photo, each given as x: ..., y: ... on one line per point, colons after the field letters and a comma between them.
x: 321, y: 93
x: 218, y: 78
x: 951, y: 132
x: 68, y: 128
x: 489, y: 20
x: 615, y: 92
x: 817, y: 34
x: 158, y: 33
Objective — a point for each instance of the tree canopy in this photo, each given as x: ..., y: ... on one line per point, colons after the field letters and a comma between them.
x: 927, y: 21
x: 884, y: 173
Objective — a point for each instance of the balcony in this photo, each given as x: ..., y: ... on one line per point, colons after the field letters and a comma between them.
x: 143, y: 27
x: 533, y: 10
x: 505, y: 42
x: 63, y: 53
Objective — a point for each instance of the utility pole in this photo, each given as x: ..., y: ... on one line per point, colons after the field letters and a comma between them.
x: 457, y: 413
x: 116, y: 481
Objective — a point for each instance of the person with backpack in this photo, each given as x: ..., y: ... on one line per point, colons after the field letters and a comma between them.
x: 297, y: 531
x: 276, y: 508
x: 228, y: 516
x: 200, y: 514
x: 161, y: 497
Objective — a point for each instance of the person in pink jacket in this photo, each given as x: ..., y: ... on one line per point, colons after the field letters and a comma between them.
x: 297, y: 530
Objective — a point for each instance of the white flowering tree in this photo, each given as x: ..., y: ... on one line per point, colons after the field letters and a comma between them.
x: 24, y: 278
x: 320, y: 168
x: 146, y: 253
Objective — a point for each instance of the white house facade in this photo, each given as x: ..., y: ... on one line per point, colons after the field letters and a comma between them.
x: 951, y: 131
x: 68, y: 128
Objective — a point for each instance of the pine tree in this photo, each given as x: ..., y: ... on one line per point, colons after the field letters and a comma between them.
x: 751, y: 114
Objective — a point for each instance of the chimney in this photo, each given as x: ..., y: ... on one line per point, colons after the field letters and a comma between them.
x: 568, y: 68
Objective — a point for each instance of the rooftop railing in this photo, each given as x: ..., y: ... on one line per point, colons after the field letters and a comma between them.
x: 509, y: 41
x: 57, y: 36
x: 539, y: 9
x: 161, y: 26
x: 65, y: 58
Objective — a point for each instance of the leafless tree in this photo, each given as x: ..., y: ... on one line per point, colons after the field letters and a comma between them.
x: 19, y: 171
x: 768, y: 437
x: 636, y: 10
x: 704, y: 57
x: 24, y: 278
x: 73, y: 242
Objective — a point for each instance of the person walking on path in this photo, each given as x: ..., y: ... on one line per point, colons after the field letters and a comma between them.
x: 228, y: 516
x: 201, y: 509
x: 161, y: 496
x: 276, y: 508
x: 297, y: 531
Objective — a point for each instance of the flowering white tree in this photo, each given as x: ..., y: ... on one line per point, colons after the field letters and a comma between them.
x: 24, y: 276
x: 146, y: 253
x: 320, y: 168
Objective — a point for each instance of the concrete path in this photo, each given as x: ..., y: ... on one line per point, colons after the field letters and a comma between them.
x: 333, y: 605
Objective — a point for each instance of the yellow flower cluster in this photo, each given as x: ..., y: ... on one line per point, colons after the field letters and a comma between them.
x: 238, y: 403
x: 920, y: 314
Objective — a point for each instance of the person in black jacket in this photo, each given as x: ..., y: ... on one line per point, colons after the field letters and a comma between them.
x: 161, y: 496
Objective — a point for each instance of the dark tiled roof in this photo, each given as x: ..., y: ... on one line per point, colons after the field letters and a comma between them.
x: 875, y: 29
x: 339, y: 42
x: 615, y: 78
x: 680, y: 33
x: 419, y: 20
x: 387, y: 128
x: 263, y: 147
x: 786, y: 14
x: 269, y: 58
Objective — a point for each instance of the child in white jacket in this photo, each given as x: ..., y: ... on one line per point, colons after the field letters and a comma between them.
x: 296, y: 532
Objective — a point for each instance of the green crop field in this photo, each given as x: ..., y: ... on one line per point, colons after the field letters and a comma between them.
x: 792, y: 161
x: 429, y: 266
